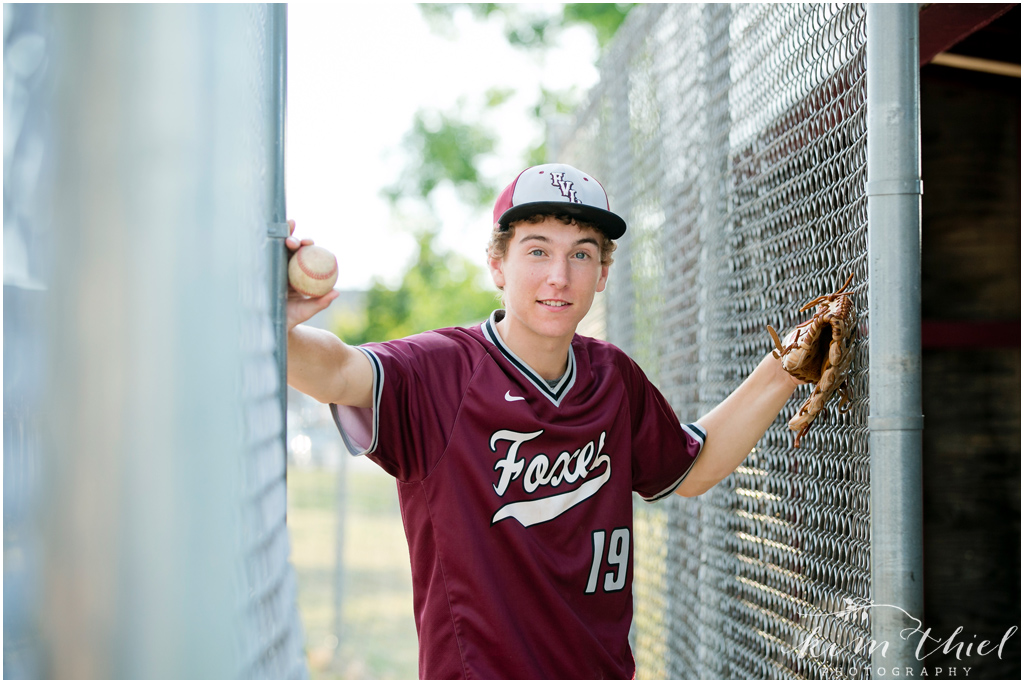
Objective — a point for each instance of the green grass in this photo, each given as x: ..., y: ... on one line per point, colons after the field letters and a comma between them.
x: 378, y: 635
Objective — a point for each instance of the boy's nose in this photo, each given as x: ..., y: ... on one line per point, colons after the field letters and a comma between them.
x: 558, y: 274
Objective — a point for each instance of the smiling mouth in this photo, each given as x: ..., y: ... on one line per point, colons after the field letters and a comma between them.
x: 557, y: 304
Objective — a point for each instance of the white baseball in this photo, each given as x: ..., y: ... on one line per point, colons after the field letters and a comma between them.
x: 312, y: 270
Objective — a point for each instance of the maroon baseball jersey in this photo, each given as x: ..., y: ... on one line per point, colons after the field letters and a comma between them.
x: 517, y: 497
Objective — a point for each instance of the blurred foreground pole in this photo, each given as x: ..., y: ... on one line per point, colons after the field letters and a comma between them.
x: 894, y: 265
x: 144, y: 371
x: 147, y: 535
x: 144, y: 434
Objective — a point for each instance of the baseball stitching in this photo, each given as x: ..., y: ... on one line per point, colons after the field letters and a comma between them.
x: 315, y: 276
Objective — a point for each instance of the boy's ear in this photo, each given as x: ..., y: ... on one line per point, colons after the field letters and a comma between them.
x: 496, y: 266
x: 603, y: 280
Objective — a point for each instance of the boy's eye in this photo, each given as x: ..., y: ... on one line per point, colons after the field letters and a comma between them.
x: 581, y: 255
x: 536, y: 252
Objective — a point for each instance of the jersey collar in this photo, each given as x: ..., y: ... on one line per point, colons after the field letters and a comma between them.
x: 554, y: 394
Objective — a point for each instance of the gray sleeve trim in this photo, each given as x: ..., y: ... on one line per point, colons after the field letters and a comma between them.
x: 378, y: 386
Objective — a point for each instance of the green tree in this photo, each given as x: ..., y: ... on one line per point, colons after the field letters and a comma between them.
x: 452, y: 146
x: 445, y: 147
x: 604, y: 17
x: 440, y: 289
x: 535, y: 26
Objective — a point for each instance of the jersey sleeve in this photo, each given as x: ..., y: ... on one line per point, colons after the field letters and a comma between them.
x: 664, y: 450
x: 418, y: 384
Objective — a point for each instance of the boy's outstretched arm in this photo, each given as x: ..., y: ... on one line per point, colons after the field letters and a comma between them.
x: 319, y: 364
x: 736, y: 424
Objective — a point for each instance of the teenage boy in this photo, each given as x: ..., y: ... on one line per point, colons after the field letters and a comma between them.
x: 517, y: 445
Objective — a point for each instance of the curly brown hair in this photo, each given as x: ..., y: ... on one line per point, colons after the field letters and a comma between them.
x: 500, y: 238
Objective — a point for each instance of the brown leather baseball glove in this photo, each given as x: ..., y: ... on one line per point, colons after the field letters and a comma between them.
x: 819, y: 351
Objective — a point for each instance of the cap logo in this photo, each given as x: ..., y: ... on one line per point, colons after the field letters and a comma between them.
x: 565, y: 187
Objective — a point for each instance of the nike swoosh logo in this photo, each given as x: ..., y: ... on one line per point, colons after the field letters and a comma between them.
x: 510, y: 397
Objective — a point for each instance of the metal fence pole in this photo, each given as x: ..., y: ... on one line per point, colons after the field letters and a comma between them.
x: 277, y: 231
x: 894, y: 249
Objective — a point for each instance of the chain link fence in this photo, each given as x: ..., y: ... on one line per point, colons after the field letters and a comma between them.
x: 733, y: 140
x: 144, y: 460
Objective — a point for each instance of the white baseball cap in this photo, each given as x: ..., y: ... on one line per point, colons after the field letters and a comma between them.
x: 557, y: 188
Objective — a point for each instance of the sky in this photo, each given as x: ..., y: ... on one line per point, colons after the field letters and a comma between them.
x: 357, y: 74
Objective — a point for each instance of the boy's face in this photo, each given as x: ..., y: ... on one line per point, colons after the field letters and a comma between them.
x: 550, y: 274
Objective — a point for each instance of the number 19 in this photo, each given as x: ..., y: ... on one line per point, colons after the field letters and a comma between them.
x: 618, y: 557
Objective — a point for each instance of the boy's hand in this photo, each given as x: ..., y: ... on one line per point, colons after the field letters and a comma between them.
x: 301, y: 308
